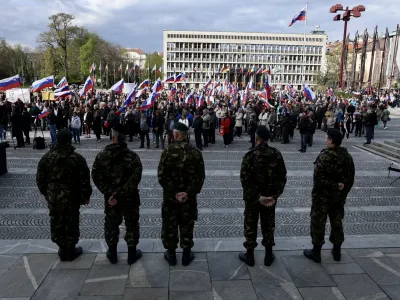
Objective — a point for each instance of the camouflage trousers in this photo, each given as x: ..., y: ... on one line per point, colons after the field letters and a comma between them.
x: 64, y: 225
x: 253, y: 212
x: 129, y: 212
x: 178, y: 216
x: 319, y: 216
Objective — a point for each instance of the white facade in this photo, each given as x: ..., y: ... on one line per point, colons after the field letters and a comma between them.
x: 209, y: 52
x: 135, y: 56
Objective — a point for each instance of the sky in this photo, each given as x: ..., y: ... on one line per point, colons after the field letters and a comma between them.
x: 140, y: 23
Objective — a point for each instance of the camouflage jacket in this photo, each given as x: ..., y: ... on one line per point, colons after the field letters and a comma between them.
x: 181, y: 169
x: 63, y: 176
x: 263, y: 173
x: 118, y: 170
x: 333, y: 166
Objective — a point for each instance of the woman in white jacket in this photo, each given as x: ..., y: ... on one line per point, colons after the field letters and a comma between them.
x: 263, y: 117
x: 239, y: 122
x: 76, y: 127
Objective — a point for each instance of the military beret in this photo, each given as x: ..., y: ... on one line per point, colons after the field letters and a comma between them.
x: 263, y: 132
x: 64, y: 136
x: 118, y: 127
x: 180, y: 127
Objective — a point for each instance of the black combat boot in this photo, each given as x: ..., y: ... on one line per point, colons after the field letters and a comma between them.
x: 269, y: 256
x: 314, y: 253
x: 336, y: 252
x: 112, y: 254
x: 187, y: 256
x: 133, y: 255
x: 62, y: 253
x: 247, y: 257
x: 170, y: 257
x: 73, y: 253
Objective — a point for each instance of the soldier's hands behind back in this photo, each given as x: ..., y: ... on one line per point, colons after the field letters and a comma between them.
x: 341, y: 186
x: 181, y: 197
x: 112, y: 201
x: 267, y: 201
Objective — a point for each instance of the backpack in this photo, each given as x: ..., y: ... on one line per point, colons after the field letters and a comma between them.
x: 39, y: 143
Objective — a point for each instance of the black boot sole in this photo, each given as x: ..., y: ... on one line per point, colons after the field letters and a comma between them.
x: 112, y: 258
x: 172, y: 262
x: 269, y: 260
x: 138, y: 255
x: 243, y: 258
x: 312, y: 257
x: 336, y: 257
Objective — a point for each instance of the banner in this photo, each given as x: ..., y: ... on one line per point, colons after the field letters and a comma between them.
x: 14, y: 94
x: 128, y: 87
x: 47, y: 95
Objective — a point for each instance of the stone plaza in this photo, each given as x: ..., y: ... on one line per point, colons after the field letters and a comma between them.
x: 369, y: 270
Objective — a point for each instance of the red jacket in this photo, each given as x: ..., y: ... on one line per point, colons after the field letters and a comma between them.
x: 225, y: 125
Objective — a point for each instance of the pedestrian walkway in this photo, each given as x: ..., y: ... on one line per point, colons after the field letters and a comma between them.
x: 363, y: 274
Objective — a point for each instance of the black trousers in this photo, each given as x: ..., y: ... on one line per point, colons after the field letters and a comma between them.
x: 206, y: 133
x: 253, y: 139
x: 142, y: 135
x: 211, y: 136
x: 97, y: 132
x: 26, y: 133
x: 197, y: 137
x: 239, y: 131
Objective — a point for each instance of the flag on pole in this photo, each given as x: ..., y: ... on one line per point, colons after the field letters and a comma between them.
x: 10, y: 83
x: 301, y: 16
x: 159, y: 71
x: 126, y: 69
x: 308, y: 92
x: 117, y: 88
x: 120, y: 68
x: 63, y: 82
x: 100, y: 66
x: 87, y: 86
x: 43, y: 83
x: 170, y: 79
x: 106, y: 68
x: 154, y: 68
x: 92, y: 68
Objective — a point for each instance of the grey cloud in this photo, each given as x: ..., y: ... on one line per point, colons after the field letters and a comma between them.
x: 141, y: 23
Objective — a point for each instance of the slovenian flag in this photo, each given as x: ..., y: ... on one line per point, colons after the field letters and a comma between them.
x: 43, y: 114
x: 308, y: 92
x: 62, y: 94
x: 200, y: 100
x: 62, y: 89
x: 172, y: 94
x: 144, y: 84
x: 170, y: 79
x: 117, y: 88
x: 43, y: 83
x: 157, y: 86
x: 330, y: 92
x: 268, y: 88
x: 282, y: 96
x: 208, y: 83
x: 141, y: 92
x: 159, y: 71
x: 180, y: 77
x: 149, y: 102
x: 86, y: 87
x: 10, y: 83
x: 63, y: 82
x: 301, y: 16
x: 189, y: 98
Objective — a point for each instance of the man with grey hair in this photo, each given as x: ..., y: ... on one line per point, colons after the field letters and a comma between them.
x: 117, y: 172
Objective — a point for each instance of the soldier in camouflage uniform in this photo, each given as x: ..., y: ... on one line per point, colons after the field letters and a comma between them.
x: 333, y: 179
x: 117, y: 172
x: 181, y: 175
x: 63, y: 178
x: 263, y: 177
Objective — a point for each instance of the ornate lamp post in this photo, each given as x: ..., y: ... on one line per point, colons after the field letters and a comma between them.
x: 348, y: 13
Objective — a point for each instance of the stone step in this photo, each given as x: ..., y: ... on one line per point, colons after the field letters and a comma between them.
x: 384, y: 150
x: 387, y: 146
x: 393, y: 156
x: 393, y: 144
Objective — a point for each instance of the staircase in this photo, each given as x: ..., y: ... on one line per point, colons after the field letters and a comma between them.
x: 387, y: 149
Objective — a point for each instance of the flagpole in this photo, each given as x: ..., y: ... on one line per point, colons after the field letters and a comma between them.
x: 101, y: 78
x: 304, y: 46
x: 114, y: 72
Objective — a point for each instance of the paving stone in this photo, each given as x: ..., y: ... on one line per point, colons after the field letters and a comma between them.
x: 358, y: 286
x: 203, y: 245
x: 191, y: 296
x: 306, y: 273
x: 382, y: 270
x: 357, y: 253
x: 100, y: 298
x: 226, y: 266
x: 233, y: 245
x: 83, y: 262
x: 13, y: 247
x: 390, y: 250
x: 26, y: 275
x: 150, y: 271
x: 146, y: 294
x: 393, y: 291
x: 352, y: 268
x: 327, y: 258
x: 101, y: 259
x: 276, y: 273
x: 7, y: 261
x: 277, y: 291
x: 317, y: 293
x: 61, y: 284
x: 235, y: 289
x: 106, y: 280
x: 192, y: 278
x: 394, y: 258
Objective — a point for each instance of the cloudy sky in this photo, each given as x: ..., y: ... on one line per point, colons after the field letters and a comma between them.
x: 140, y: 23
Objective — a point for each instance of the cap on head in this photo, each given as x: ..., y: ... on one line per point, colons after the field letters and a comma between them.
x: 263, y: 132
x: 64, y: 137
x: 180, y: 127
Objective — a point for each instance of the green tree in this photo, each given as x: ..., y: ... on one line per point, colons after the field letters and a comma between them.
x: 59, y: 37
x: 151, y: 60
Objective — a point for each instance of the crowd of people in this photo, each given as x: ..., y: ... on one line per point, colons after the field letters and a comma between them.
x: 228, y: 114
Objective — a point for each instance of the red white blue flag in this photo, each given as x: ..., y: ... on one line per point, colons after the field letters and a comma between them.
x: 301, y: 16
x: 10, y: 83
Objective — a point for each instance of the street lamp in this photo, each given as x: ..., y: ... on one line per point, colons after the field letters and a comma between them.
x: 348, y: 13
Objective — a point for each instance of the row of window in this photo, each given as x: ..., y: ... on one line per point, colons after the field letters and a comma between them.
x: 238, y: 47
x: 236, y: 69
x: 236, y: 57
x: 244, y: 37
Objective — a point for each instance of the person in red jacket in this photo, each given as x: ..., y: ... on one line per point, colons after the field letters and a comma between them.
x: 224, y: 129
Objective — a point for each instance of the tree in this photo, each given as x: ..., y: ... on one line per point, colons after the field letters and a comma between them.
x: 151, y: 60
x: 61, y: 33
